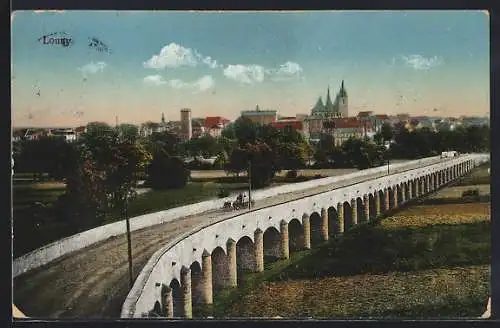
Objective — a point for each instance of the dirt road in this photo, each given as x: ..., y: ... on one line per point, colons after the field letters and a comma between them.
x: 93, y: 283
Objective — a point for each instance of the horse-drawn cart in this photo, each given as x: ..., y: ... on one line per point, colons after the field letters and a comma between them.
x: 236, y: 205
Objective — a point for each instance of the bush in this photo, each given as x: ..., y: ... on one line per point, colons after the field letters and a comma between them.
x: 166, y: 172
x: 292, y: 174
x: 318, y: 176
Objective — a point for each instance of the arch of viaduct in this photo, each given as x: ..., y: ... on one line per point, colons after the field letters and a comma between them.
x: 188, y: 272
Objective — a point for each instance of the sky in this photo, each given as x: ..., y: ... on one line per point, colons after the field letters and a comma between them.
x: 220, y: 63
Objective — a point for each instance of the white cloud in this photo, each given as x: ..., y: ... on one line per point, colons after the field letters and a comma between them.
x: 289, y: 68
x: 92, y: 68
x: 212, y: 63
x: 419, y: 62
x: 205, y: 83
x: 154, y: 80
x: 245, y: 73
x: 286, y: 71
x: 202, y: 84
x: 174, y: 55
x: 249, y: 74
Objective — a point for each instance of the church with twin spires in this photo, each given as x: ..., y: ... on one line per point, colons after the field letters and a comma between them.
x: 330, y: 109
x: 322, y: 112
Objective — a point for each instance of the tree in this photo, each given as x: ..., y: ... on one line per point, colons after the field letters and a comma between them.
x: 477, y: 138
x: 228, y: 132
x: 45, y: 155
x: 292, y: 156
x: 222, y: 160
x: 263, y: 162
x: 164, y: 141
x: 104, y: 175
x: 225, y: 144
x: 122, y: 174
x: 378, y: 138
x: 167, y: 172
x: 128, y: 131
x: 84, y: 202
x: 324, y: 150
x: 245, y: 131
x: 238, y: 161
x: 363, y: 154
x: 387, y: 131
x: 205, y: 146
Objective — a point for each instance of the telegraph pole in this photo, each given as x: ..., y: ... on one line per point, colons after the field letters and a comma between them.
x: 388, y: 159
x: 129, y: 244
x: 249, y: 184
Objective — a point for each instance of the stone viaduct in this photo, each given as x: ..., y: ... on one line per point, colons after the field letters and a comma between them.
x: 188, y: 271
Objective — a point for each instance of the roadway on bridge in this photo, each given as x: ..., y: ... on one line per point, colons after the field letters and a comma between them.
x: 93, y: 282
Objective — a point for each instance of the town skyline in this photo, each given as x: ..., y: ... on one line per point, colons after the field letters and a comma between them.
x: 216, y: 71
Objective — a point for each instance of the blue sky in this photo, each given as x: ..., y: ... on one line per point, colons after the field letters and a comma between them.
x: 223, y: 63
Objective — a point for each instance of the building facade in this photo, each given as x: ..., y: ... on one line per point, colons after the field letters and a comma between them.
x: 214, y: 125
x: 380, y: 119
x: 262, y: 117
x: 297, y: 125
x: 322, y: 112
x: 343, y: 129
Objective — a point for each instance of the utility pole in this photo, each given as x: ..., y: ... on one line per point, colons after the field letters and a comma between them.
x: 129, y: 244
x: 249, y: 184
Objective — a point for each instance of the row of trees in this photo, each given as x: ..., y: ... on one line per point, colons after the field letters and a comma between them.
x: 425, y: 142
x: 101, y: 170
x: 244, y: 140
x: 401, y: 143
x: 103, y: 166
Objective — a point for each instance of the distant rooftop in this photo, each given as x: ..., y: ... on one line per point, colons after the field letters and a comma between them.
x: 258, y: 112
x: 365, y: 113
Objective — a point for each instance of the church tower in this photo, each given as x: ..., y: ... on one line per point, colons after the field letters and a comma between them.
x: 329, y: 108
x: 319, y: 108
x: 341, y: 101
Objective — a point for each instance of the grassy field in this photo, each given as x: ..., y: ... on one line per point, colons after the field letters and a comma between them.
x: 478, y: 176
x: 479, y: 179
x: 426, y: 261
x: 156, y: 200
x: 457, y: 191
x: 36, y: 225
